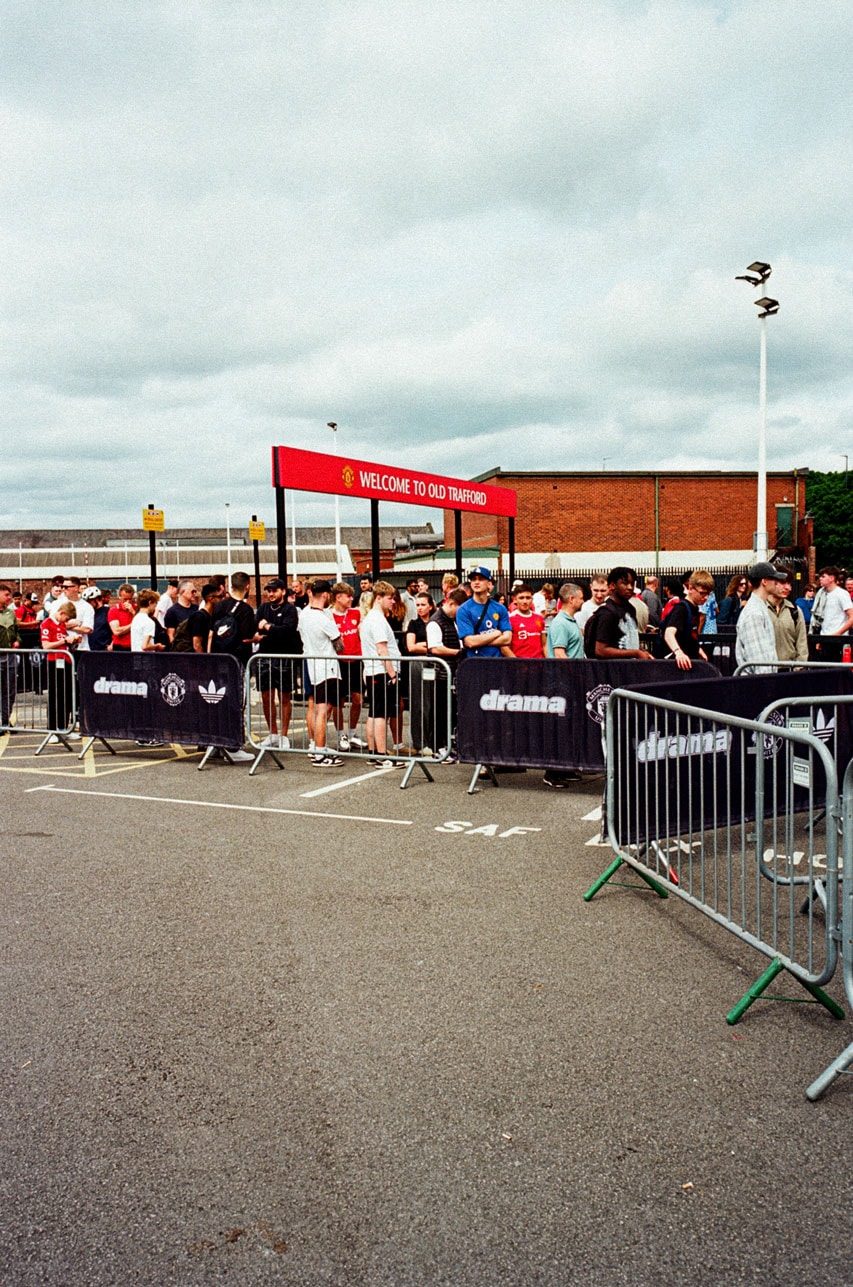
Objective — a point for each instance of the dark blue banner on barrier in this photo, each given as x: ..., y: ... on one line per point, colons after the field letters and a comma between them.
x: 195, y: 699
x: 695, y: 769
x: 545, y: 714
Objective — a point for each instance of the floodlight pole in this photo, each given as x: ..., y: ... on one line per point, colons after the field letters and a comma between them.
x: 761, y: 550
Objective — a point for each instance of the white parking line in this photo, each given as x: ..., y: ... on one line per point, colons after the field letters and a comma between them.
x: 593, y: 816
x: 336, y: 786
x: 216, y: 804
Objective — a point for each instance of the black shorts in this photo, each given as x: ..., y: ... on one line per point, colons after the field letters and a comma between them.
x: 328, y: 693
x: 383, y: 697
x: 350, y: 676
x: 273, y: 673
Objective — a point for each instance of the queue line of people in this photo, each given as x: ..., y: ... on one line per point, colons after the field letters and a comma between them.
x: 333, y: 627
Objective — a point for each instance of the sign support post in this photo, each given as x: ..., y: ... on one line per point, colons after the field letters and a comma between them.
x: 257, y: 532
x: 152, y: 523
x: 457, y: 541
x: 374, y: 539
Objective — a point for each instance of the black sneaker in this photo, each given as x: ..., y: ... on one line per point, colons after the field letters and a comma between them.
x: 330, y: 761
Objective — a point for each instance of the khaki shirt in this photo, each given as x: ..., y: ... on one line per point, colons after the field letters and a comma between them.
x: 790, y: 625
x: 9, y: 632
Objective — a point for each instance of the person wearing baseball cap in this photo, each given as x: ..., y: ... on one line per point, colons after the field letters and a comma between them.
x: 756, y: 634
x: 482, y: 623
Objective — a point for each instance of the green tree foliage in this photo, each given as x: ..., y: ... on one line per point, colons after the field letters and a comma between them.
x: 829, y: 498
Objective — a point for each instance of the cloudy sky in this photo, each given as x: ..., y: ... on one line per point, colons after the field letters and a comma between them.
x: 473, y: 234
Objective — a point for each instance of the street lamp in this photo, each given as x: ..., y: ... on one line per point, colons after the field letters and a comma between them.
x: 334, y: 428
x: 756, y: 275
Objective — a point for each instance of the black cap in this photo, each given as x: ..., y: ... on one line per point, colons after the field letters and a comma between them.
x: 275, y: 584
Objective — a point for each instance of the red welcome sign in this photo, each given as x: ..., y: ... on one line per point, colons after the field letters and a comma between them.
x: 314, y: 471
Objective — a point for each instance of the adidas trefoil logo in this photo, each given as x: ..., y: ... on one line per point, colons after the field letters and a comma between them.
x: 211, y: 694
x: 824, y: 728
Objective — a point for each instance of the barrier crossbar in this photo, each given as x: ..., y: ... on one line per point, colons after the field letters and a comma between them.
x: 281, y: 711
x: 720, y: 811
x: 38, y: 696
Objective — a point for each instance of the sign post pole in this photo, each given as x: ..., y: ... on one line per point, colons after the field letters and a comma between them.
x: 153, y: 522
x: 374, y: 538
x: 257, y: 532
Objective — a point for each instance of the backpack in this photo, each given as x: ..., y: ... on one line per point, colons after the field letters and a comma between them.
x: 227, y: 634
x: 182, y: 641
x: 590, y: 633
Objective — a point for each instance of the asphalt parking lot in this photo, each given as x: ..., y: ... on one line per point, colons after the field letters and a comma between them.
x: 309, y: 1028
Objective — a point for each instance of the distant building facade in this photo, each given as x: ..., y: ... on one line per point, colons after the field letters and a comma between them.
x: 662, y: 519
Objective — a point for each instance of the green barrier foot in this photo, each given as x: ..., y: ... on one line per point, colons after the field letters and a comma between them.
x: 612, y: 870
x: 759, y: 987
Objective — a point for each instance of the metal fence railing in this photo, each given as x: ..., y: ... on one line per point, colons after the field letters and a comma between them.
x: 401, y: 723
x: 722, y: 812
x: 844, y: 1062
x: 38, y: 696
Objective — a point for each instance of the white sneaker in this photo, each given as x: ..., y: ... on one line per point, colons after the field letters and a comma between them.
x: 343, y: 743
x: 53, y: 740
x: 73, y: 737
x: 426, y: 752
x: 358, y: 742
x: 240, y: 757
x: 283, y: 742
x: 311, y: 747
x: 271, y: 739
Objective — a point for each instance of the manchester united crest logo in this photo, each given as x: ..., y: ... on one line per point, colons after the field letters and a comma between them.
x: 348, y: 475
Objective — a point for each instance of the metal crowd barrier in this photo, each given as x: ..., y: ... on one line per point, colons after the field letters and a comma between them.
x: 721, y: 811
x: 420, y: 734
x: 844, y: 1062
x: 772, y: 667
x: 38, y: 696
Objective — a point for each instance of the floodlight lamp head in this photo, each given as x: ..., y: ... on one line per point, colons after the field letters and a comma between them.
x: 768, y: 306
x: 331, y: 424
x: 763, y: 270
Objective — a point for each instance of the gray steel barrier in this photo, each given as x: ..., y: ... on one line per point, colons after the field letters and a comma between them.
x: 421, y: 733
x: 720, y: 811
x: 772, y: 667
x: 38, y: 696
x: 844, y: 1062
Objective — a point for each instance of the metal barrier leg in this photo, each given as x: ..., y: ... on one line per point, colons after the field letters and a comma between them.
x: 838, y: 1066
x: 91, y: 742
x: 482, y: 771
x: 61, y: 737
x: 612, y: 870
x: 819, y: 997
x: 265, y: 750
x: 410, y: 770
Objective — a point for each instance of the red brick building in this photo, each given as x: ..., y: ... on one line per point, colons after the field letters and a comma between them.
x: 650, y: 519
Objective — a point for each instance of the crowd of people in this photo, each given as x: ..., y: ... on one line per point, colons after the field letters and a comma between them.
x: 353, y: 642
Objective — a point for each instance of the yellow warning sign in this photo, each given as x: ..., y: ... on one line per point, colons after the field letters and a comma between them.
x: 257, y: 531
x: 153, y: 520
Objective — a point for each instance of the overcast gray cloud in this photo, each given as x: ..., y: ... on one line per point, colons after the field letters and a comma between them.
x: 473, y: 234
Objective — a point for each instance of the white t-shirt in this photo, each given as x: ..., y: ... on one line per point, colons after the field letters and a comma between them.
x: 84, y: 612
x: 375, y: 629
x: 583, y: 616
x: 434, y: 636
x: 164, y: 603
x: 317, y: 628
x: 141, y: 628
x: 838, y: 602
